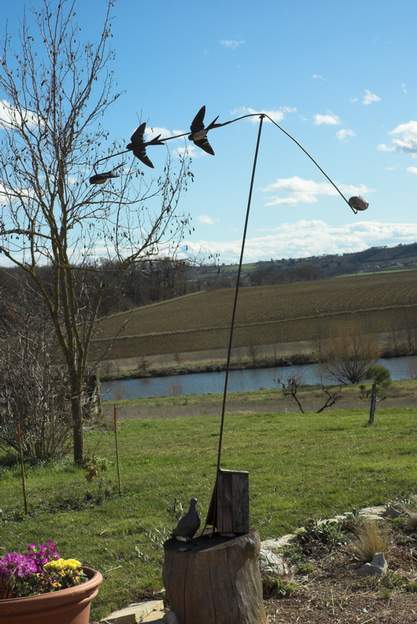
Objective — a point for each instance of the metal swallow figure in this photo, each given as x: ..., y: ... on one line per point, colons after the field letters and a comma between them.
x: 102, y: 178
x: 138, y: 145
x: 199, y: 132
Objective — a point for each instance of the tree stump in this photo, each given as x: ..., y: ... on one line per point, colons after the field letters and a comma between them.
x: 215, y: 580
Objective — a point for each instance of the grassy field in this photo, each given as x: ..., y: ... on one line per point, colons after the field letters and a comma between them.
x: 382, y: 302
x: 301, y: 466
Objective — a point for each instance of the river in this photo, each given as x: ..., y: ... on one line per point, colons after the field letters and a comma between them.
x: 245, y: 380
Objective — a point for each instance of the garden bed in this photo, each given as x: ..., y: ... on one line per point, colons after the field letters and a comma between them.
x: 325, y: 584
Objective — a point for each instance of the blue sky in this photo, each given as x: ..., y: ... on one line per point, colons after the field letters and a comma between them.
x: 340, y: 76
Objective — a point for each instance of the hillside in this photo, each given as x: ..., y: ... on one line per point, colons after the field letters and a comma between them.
x: 267, y: 315
x: 374, y: 259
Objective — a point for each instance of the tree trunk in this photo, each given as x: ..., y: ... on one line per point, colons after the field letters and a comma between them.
x: 214, y: 580
x: 373, y: 405
x: 77, y: 423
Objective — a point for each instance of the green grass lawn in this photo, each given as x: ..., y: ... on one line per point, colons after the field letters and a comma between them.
x: 301, y: 466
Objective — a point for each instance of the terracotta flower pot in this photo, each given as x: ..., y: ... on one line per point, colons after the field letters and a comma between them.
x: 65, y: 606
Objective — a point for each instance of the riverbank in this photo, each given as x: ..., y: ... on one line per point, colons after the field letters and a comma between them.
x: 277, y: 355
x: 400, y: 394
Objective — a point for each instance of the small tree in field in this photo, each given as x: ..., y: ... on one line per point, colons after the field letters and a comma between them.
x: 54, y: 93
x: 347, y: 358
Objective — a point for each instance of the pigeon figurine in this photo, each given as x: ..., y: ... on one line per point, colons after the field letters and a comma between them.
x: 189, y: 524
x: 101, y: 178
x: 358, y: 203
x: 138, y: 145
x: 199, y: 133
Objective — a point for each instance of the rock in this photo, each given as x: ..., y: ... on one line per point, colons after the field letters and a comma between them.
x: 271, y: 564
x: 373, y: 513
x: 278, y: 544
x: 393, y: 512
x: 136, y: 612
x: 171, y: 618
x: 377, y: 567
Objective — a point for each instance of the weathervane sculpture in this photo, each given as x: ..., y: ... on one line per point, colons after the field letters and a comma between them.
x: 237, y: 518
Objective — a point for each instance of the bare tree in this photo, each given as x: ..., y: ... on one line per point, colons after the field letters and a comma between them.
x: 293, y: 385
x: 54, y: 93
x: 346, y: 358
x: 291, y: 388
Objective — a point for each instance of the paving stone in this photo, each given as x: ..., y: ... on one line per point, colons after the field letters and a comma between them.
x: 135, y: 613
x: 156, y: 617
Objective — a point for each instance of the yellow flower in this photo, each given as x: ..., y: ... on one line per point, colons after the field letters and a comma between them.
x: 63, y: 566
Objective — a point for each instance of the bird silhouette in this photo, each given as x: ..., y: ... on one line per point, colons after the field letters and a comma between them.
x: 189, y: 524
x: 358, y: 203
x: 199, y: 132
x: 138, y: 145
x: 101, y: 178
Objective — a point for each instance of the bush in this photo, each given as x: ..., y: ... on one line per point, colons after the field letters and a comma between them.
x: 319, y: 537
x: 33, y: 398
x: 371, y: 539
x: 379, y: 374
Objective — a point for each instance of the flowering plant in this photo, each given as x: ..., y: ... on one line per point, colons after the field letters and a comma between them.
x: 39, y: 570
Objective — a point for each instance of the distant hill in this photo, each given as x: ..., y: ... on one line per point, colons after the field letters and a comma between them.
x: 372, y: 260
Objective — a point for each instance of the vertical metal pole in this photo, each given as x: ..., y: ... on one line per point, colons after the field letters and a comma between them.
x: 116, y: 447
x: 22, y: 468
x: 232, y: 324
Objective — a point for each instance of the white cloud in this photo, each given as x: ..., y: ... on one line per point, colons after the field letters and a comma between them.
x: 232, y: 44
x: 353, y: 100
x: 301, y: 191
x: 404, y: 89
x: 326, y: 120
x: 382, y: 147
x: 306, y: 238
x: 412, y: 170
x: 345, y: 133
x: 10, y: 116
x: 369, y: 98
x: 188, y: 150
x: 405, y: 137
x: 207, y: 220
x: 153, y: 131
x: 277, y: 114
x: 317, y: 77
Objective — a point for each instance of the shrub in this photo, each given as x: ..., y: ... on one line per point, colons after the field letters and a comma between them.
x: 371, y: 538
x: 379, y: 374
x: 33, y: 398
x: 320, y: 536
x: 277, y: 587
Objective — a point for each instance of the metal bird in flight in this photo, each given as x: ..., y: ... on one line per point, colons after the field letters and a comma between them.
x: 102, y: 178
x: 138, y: 146
x: 199, y: 132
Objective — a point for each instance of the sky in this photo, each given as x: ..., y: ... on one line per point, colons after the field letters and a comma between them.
x: 340, y: 76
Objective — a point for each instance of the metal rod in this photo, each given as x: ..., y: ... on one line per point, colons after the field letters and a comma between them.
x: 116, y: 447
x: 110, y: 156
x: 22, y: 468
x: 232, y: 324
x: 312, y: 159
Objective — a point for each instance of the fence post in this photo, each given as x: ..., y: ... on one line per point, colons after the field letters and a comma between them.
x: 116, y: 447
x: 22, y: 467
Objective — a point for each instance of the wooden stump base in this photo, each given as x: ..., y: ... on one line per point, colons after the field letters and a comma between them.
x: 214, y: 580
